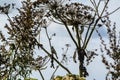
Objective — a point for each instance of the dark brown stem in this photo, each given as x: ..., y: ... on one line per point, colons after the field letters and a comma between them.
x: 41, y: 75
x: 55, y: 59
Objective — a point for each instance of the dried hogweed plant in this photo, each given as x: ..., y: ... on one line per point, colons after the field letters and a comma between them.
x: 17, y: 51
x: 112, y: 50
x: 83, y: 19
x: 76, y: 15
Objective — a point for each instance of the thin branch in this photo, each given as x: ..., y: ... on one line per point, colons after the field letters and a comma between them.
x: 95, y: 3
x: 111, y: 12
x: 66, y: 26
x: 78, y: 36
x: 71, y: 35
x: 87, y: 33
x: 99, y: 17
x: 48, y: 37
x: 41, y: 75
x: 92, y: 3
x: 54, y: 73
x: 54, y: 58
x: 91, y: 32
x: 98, y: 7
x: 51, y: 19
x: 104, y: 8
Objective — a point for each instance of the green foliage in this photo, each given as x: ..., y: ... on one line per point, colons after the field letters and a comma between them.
x: 30, y: 79
x: 69, y: 77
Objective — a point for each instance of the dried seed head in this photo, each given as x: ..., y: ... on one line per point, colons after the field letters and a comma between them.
x: 74, y: 13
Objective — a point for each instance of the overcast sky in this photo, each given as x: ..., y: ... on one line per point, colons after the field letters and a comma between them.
x: 96, y: 69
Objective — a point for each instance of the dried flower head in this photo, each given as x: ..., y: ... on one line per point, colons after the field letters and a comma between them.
x: 73, y: 14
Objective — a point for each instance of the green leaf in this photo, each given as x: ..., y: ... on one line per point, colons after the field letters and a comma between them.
x: 30, y: 79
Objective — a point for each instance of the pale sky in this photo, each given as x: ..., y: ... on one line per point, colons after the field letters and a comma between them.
x: 96, y: 69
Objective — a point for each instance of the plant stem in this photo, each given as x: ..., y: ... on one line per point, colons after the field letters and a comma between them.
x: 87, y: 33
x: 54, y: 72
x: 91, y: 33
x: 71, y: 35
x: 66, y: 26
x: 48, y: 39
x: 77, y: 36
x: 55, y: 59
x: 80, y: 70
x: 99, y: 17
x: 41, y: 75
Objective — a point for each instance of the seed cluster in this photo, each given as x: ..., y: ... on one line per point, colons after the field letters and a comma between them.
x: 74, y: 13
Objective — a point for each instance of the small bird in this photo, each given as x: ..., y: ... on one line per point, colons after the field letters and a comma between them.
x: 54, y: 52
